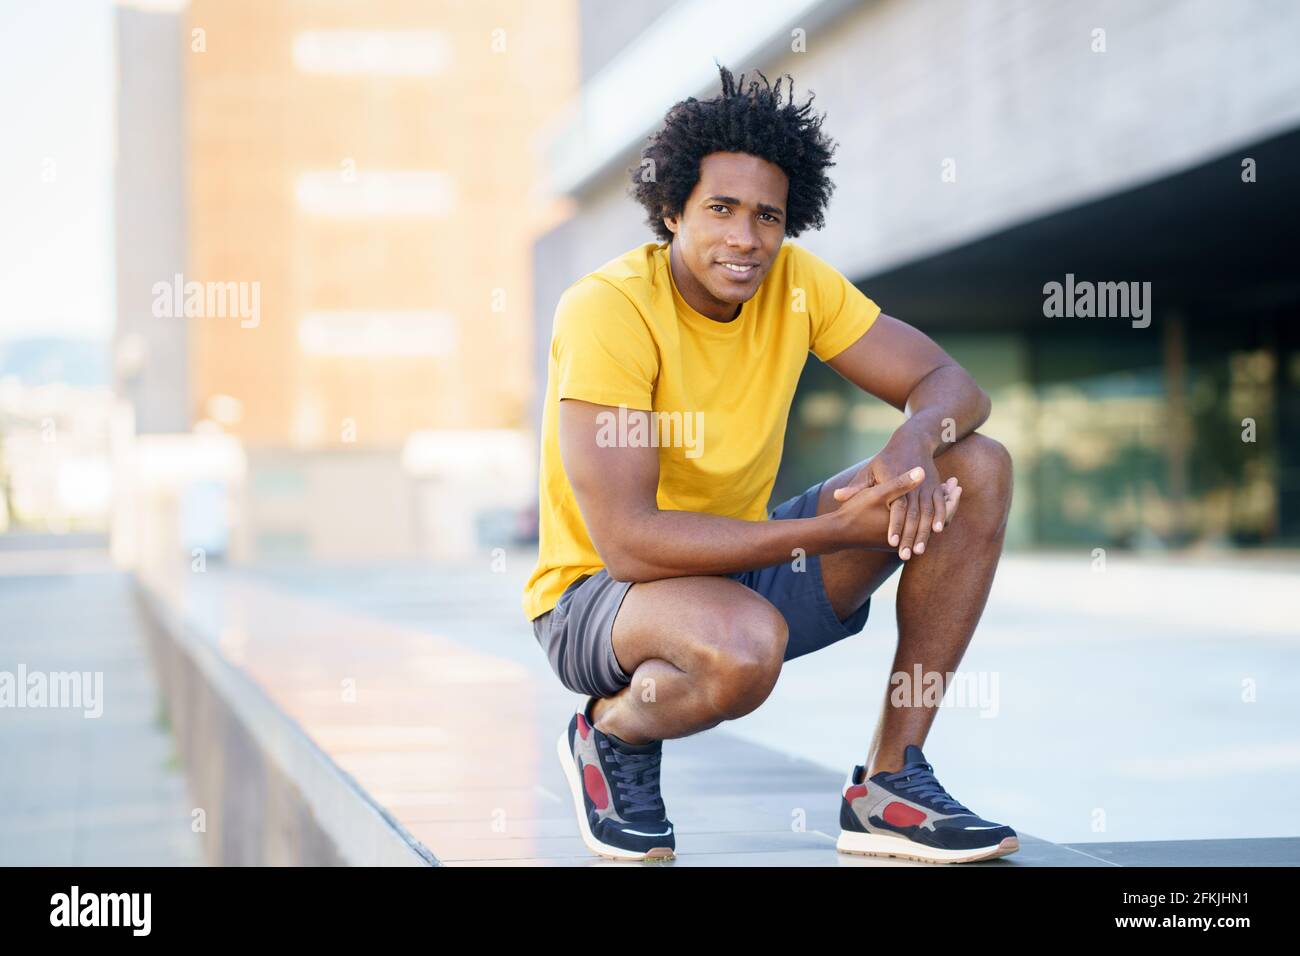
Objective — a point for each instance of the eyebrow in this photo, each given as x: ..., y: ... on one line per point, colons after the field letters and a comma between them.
x: 733, y: 201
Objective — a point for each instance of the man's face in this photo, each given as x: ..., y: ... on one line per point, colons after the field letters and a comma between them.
x: 729, y: 232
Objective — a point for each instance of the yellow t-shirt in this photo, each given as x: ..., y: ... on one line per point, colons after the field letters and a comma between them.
x: 623, y: 335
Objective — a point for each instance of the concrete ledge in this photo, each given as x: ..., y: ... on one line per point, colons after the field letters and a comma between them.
x: 362, y: 714
x: 271, y: 796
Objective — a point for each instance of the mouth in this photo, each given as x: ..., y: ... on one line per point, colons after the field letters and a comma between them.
x: 738, y: 270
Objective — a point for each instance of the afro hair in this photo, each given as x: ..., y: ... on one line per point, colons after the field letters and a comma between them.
x: 750, y: 120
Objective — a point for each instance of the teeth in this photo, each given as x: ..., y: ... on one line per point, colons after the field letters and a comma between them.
x: 735, y: 268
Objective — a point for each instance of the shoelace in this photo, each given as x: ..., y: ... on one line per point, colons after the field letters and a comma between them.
x: 637, y: 779
x: 918, y: 780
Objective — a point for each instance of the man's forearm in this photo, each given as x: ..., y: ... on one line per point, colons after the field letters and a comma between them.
x: 671, y: 544
x: 943, y: 408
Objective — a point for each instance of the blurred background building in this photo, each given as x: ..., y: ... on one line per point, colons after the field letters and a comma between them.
x: 350, y: 187
x: 987, y: 149
x: 379, y: 205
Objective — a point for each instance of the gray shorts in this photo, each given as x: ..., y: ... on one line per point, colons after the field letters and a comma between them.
x: 578, y: 633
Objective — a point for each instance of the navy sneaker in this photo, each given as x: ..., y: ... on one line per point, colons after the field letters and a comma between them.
x: 908, y: 814
x: 615, y: 788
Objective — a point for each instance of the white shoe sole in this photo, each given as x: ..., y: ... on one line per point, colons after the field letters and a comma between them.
x: 882, y: 844
x: 580, y: 807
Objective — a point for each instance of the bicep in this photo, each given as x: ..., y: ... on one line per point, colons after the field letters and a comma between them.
x: 890, y: 359
x: 612, y: 482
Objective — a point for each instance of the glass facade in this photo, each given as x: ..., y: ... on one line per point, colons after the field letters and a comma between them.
x: 1141, y: 438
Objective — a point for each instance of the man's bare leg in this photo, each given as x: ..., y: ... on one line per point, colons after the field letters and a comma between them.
x: 700, y: 650
x: 713, y: 649
x: 942, y: 592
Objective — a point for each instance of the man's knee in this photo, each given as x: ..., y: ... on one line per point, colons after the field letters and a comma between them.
x: 741, y: 661
x: 984, y: 469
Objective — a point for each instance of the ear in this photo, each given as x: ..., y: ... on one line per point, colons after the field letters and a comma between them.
x: 671, y: 223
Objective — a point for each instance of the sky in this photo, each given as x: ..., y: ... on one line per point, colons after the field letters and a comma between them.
x: 57, y: 77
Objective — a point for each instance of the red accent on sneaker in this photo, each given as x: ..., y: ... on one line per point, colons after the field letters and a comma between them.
x: 583, y: 727
x: 595, y: 784
x: 901, y: 815
x: 858, y: 790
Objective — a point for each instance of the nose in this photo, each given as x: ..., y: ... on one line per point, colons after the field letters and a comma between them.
x: 742, y: 237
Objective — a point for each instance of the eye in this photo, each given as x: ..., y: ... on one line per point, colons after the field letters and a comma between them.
x: 770, y: 216
x: 718, y: 205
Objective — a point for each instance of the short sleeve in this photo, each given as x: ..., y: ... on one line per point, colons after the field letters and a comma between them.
x: 603, y: 350
x: 840, y: 313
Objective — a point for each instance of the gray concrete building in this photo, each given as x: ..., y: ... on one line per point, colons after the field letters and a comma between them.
x: 986, y: 150
x: 151, y: 354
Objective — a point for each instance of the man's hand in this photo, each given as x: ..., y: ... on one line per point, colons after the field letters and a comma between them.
x: 923, y: 510
x: 864, y: 517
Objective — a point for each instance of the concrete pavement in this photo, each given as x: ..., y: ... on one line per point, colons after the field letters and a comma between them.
x: 85, y: 790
